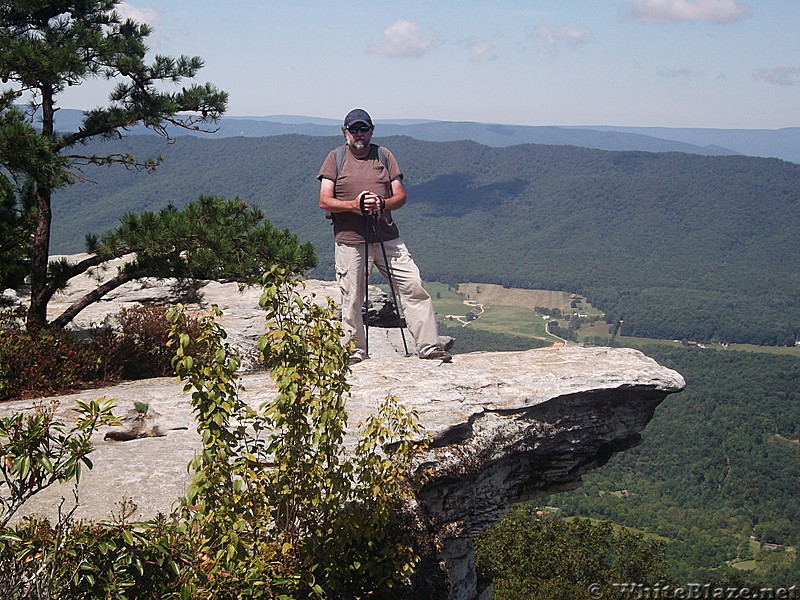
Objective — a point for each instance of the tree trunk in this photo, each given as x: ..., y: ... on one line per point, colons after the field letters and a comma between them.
x: 37, y: 311
x: 93, y: 296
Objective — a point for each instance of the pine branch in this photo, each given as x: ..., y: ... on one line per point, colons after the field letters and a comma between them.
x: 66, y: 317
x: 62, y: 272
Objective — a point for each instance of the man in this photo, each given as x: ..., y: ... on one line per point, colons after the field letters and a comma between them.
x: 360, y: 193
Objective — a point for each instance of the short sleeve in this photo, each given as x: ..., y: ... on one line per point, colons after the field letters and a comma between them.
x: 328, y: 168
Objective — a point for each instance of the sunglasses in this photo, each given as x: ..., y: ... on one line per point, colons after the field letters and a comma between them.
x: 362, y: 129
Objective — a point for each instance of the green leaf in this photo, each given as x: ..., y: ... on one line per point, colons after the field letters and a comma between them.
x: 127, y: 536
x: 22, y: 466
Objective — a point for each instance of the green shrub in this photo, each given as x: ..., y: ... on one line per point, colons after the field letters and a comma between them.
x: 274, y: 498
x: 37, y: 450
x: 88, y: 561
x: 276, y: 509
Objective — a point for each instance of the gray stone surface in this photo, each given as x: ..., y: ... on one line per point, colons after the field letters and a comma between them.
x: 471, y: 397
x: 507, y: 426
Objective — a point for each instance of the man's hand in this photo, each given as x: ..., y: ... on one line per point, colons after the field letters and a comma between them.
x: 370, y: 203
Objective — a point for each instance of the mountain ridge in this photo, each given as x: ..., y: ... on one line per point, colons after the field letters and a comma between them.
x: 782, y: 143
x: 657, y: 240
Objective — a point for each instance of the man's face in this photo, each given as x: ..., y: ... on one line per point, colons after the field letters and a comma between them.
x: 358, y: 135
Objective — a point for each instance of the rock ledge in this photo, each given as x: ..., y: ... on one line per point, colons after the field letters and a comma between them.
x: 507, y: 426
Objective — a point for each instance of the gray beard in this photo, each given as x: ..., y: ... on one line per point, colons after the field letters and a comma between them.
x: 358, y: 144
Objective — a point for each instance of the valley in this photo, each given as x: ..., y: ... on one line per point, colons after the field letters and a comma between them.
x: 716, y: 477
x: 512, y: 311
x: 684, y: 252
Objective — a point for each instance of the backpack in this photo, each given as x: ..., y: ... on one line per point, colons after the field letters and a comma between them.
x: 341, y: 154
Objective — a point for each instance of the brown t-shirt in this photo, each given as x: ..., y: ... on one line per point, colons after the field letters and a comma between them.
x: 357, y: 175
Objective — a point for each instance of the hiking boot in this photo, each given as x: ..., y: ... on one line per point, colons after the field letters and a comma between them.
x: 438, y: 354
x: 356, y: 358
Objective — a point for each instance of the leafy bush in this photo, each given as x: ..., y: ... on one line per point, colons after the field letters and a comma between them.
x: 51, y: 361
x: 275, y: 508
x: 41, y: 560
x: 288, y: 501
x: 141, y: 349
x: 37, y: 450
x: 45, y: 362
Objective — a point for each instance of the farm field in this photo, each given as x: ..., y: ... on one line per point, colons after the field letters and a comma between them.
x: 510, y: 311
x: 496, y: 309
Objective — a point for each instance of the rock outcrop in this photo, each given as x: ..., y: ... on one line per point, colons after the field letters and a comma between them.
x: 507, y: 427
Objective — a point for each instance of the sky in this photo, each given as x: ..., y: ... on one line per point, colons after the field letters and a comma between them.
x: 726, y: 64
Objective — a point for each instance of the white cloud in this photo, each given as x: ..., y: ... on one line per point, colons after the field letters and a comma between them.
x: 141, y: 15
x: 664, y: 11
x: 780, y: 75
x: 403, y: 38
x: 482, y: 51
x: 569, y: 35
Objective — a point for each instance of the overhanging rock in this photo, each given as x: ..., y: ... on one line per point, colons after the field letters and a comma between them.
x: 510, y: 427
x: 507, y: 427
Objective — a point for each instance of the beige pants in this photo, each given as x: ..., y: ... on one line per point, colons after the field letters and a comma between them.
x: 415, y: 302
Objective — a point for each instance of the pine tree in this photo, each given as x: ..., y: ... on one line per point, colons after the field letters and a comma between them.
x: 211, y: 238
x: 48, y: 46
x: 23, y: 158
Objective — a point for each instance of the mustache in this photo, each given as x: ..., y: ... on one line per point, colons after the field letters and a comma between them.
x: 357, y: 144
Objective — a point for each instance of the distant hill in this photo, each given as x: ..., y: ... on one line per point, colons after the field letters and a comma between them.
x: 784, y: 143
x: 675, y: 245
x: 767, y: 143
x: 778, y: 143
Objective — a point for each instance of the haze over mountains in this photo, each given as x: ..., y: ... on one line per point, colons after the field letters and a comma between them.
x: 780, y: 143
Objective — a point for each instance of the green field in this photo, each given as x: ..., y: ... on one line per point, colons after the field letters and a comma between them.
x: 499, y: 317
x: 446, y: 300
x: 510, y: 311
x: 516, y: 321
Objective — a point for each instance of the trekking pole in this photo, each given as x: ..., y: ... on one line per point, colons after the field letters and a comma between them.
x: 366, y: 286
x: 389, y: 278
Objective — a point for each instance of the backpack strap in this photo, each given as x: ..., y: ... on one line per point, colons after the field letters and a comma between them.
x: 383, y: 159
x: 341, y: 154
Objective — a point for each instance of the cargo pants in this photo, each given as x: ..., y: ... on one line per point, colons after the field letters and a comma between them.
x: 352, y: 260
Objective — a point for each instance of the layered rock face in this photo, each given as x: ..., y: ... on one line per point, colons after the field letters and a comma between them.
x: 507, y: 427
x: 540, y: 421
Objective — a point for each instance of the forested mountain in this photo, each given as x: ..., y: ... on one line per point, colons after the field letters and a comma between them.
x: 769, y: 143
x: 676, y: 245
x: 718, y: 464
